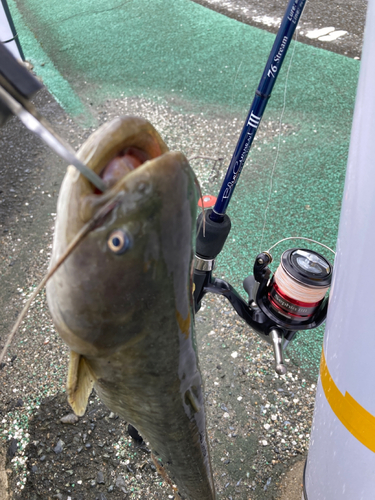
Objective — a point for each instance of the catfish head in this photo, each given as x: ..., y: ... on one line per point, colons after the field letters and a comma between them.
x: 135, y: 264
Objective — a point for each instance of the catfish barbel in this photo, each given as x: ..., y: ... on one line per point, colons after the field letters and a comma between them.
x: 122, y: 300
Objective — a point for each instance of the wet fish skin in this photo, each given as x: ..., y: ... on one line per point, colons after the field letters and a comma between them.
x: 128, y: 319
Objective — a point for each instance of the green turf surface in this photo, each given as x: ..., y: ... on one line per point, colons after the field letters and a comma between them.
x: 89, y: 51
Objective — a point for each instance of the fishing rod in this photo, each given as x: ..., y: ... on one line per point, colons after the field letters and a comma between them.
x: 294, y: 298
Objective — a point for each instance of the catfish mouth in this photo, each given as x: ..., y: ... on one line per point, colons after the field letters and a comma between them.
x: 122, y: 164
x: 113, y: 152
x: 119, y: 147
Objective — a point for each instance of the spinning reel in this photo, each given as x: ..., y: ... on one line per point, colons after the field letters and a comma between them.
x: 293, y: 298
x: 294, y: 295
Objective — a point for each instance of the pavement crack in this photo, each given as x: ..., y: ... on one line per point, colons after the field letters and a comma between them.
x: 90, y: 12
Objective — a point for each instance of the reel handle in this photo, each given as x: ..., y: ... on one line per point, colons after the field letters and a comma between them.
x: 276, y: 337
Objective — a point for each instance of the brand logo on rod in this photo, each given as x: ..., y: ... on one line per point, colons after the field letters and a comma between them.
x: 254, y: 120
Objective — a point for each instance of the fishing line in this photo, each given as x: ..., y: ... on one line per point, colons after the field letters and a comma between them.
x: 91, y: 224
x: 203, y: 221
x: 10, y: 39
x: 204, y: 158
x: 297, y: 290
x: 301, y: 238
x: 278, y: 145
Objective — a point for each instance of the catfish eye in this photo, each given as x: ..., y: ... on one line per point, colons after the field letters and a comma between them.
x: 118, y: 241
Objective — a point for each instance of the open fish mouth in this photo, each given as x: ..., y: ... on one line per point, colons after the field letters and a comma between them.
x: 119, y: 147
x: 126, y: 161
x: 115, y: 151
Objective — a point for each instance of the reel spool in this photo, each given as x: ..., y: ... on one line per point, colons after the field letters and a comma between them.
x: 293, y: 297
x: 299, y: 284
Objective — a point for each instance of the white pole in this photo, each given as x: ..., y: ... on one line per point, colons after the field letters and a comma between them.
x: 341, y: 460
x: 8, y: 33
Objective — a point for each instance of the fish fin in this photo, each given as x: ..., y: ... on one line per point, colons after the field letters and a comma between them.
x: 80, y: 383
x: 184, y: 324
x: 191, y: 400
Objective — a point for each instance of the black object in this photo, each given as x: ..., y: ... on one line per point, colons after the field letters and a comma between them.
x: 12, y: 448
x: 211, y: 235
x: 16, y: 79
x: 17, y: 75
x: 133, y: 433
x: 5, y: 113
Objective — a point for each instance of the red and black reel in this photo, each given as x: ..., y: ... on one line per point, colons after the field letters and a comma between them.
x: 295, y: 296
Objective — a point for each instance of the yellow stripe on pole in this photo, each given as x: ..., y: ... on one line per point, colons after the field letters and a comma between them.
x: 359, y: 422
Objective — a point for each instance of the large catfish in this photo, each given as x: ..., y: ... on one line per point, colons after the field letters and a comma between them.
x: 122, y: 300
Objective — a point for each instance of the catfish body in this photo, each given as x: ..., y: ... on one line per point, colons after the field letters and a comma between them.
x: 122, y: 300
